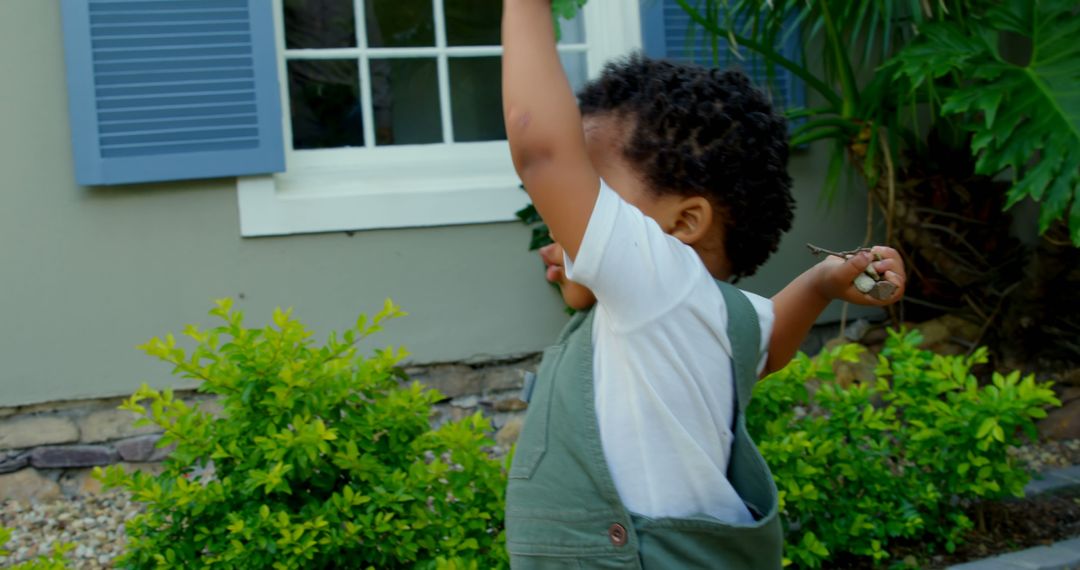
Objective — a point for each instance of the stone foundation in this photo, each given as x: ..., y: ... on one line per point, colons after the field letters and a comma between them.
x: 49, y: 450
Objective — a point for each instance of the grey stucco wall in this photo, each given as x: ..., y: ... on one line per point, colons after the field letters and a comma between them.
x: 88, y: 273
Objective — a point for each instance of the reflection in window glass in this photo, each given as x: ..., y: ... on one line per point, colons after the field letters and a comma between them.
x: 405, y: 99
x: 473, y: 22
x: 400, y: 23
x: 319, y: 24
x: 324, y: 102
x: 476, y: 99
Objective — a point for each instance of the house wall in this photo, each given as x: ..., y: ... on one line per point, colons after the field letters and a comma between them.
x: 86, y: 274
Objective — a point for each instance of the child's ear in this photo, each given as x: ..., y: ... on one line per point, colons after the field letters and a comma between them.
x: 692, y: 220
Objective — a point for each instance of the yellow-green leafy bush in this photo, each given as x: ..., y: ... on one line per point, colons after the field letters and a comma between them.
x: 55, y: 560
x: 863, y: 466
x: 320, y: 458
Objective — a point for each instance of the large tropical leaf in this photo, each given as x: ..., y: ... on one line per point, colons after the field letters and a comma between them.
x: 1024, y: 117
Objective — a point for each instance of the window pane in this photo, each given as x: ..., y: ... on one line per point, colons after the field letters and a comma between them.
x: 476, y: 99
x: 319, y: 24
x: 405, y: 99
x: 400, y: 23
x: 573, y: 30
x: 324, y: 102
x: 473, y: 22
x: 576, y: 72
x: 476, y: 94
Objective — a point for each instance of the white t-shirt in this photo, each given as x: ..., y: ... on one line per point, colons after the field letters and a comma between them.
x: 661, y: 366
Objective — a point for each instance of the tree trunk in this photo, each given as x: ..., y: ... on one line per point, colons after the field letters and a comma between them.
x: 962, y: 259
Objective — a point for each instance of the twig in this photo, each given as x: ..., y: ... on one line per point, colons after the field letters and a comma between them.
x: 958, y: 237
x: 891, y: 213
x: 917, y: 301
x: 913, y: 267
x: 869, y: 219
x: 1057, y: 242
x: 963, y: 342
x: 993, y: 315
x: 974, y: 307
x: 961, y: 261
x: 841, y: 254
x: 843, y: 320
x: 951, y: 215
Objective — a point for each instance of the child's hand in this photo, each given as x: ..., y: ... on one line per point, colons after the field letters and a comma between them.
x: 836, y: 275
x: 799, y: 304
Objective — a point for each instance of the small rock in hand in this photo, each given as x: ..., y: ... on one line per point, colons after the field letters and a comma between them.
x: 883, y: 290
x: 869, y: 281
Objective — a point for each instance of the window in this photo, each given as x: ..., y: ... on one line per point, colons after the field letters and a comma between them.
x: 401, y: 72
x: 392, y: 112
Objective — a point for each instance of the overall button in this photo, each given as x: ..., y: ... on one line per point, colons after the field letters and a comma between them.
x: 617, y: 534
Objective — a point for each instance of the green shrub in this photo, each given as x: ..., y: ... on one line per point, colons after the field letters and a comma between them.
x: 55, y: 560
x: 321, y: 458
x: 860, y: 467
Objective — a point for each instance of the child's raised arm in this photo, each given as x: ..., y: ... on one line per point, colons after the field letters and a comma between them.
x: 543, y: 123
x: 799, y: 304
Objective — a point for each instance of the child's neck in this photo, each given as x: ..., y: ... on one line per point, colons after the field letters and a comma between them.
x: 715, y: 260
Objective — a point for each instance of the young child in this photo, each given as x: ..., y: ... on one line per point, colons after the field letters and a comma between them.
x: 634, y: 452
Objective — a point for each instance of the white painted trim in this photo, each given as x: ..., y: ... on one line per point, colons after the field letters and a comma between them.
x: 410, y: 186
x: 411, y: 52
x: 283, y: 81
x: 266, y: 212
x: 442, y: 66
x: 367, y: 111
x: 612, y: 29
x: 428, y: 185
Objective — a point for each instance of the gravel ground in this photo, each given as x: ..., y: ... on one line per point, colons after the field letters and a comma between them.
x: 95, y: 523
x: 1050, y: 454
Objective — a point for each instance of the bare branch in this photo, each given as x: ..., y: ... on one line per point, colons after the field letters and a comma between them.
x: 841, y: 254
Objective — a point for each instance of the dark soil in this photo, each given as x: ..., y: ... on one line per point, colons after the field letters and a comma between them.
x: 1010, y: 526
x: 1019, y: 525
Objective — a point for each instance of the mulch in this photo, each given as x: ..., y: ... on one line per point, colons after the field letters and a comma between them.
x: 1009, y: 526
x: 1018, y: 525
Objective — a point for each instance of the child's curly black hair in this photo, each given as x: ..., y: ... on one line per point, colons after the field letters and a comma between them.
x: 704, y: 132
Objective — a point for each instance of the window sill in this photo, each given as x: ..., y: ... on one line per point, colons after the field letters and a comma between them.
x: 434, y: 185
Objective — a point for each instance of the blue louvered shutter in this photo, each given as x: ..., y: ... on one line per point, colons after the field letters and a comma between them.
x: 666, y: 33
x: 172, y: 89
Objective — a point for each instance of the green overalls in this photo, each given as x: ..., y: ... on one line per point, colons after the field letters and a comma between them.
x: 562, y: 509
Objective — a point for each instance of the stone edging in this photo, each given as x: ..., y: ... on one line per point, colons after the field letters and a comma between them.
x: 1054, y: 481
x: 49, y: 450
x: 1064, y: 555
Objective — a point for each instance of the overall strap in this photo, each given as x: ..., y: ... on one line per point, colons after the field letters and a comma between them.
x: 744, y: 333
x: 577, y: 320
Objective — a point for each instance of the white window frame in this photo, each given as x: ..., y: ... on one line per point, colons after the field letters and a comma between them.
x: 448, y: 183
